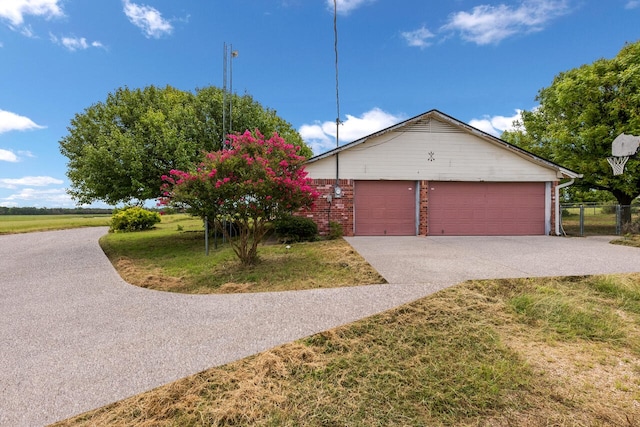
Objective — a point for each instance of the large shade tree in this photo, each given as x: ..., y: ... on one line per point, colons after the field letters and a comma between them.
x: 252, y: 181
x: 580, y: 114
x: 118, y: 149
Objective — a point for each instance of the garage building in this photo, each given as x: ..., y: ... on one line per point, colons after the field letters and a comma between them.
x: 434, y: 175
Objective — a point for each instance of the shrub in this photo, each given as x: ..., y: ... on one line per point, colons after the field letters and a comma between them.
x: 296, y: 229
x: 632, y: 227
x: 335, y: 230
x: 133, y: 218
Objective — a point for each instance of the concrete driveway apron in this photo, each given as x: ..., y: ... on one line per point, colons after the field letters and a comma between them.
x: 449, y: 260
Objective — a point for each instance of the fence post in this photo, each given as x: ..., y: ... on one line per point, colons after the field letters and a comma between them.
x: 206, y: 236
x: 618, y: 220
x: 581, y: 220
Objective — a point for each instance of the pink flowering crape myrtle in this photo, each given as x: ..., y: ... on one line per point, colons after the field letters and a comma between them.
x: 253, y: 181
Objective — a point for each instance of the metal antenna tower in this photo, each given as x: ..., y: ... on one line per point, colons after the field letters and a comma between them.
x: 337, y: 189
x: 227, y: 95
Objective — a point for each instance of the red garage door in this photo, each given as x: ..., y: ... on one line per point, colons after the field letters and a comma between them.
x: 385, y: 208
x: 486, y: 208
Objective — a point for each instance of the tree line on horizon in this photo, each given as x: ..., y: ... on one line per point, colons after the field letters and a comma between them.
x: 32, y: 210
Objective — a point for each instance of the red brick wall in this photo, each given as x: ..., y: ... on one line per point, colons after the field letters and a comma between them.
x: 342, y: 210
x: 424, y: 209
x: 339, y: 210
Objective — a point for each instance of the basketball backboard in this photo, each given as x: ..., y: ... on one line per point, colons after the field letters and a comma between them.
x: 625, y: 145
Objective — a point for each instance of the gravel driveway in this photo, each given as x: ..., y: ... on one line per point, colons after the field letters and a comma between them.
x: 74, y: 336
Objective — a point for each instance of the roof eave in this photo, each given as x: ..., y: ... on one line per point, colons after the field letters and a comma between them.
x: 373, y: 135
x: 563, y: 172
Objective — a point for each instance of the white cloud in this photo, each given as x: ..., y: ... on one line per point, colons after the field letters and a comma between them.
x: 31, y: 181
x: 344, y: 7
x: 14, y: 11
x: 74, y: 43
x: 148, y: 19
x: 321, y: 137
x: 11, y: 121
x: 418, y: 38
x: 27, y: 31
x: 8, y: 156
x: 632, y: 4
x: 41, y: 197
x: 487, y: 24
x: 495, y: 125
x: 315, y: 136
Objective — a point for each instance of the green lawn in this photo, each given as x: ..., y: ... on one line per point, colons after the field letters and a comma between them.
x: 172, y: 257
x: 597, y: 221
x: 28, y: 223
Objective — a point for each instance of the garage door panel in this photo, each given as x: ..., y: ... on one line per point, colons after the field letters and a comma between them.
x: 481, y: 208
x: 385, y: 208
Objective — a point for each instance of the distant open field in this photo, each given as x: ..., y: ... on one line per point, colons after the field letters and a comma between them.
x: 597, y: 220
x: 27, y: 223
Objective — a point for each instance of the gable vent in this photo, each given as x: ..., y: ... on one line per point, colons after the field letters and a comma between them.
x: 432, y: 126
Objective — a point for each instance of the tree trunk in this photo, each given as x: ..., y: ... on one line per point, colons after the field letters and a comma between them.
x: 624, y: 200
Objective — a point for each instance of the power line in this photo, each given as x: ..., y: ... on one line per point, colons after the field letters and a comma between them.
x: 335, y: 48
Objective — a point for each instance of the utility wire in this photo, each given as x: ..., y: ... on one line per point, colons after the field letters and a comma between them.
x: 335, y: 48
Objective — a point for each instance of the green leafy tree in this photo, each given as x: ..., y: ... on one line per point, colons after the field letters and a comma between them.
x: 118, y: 149
x: 251, y: 182
x: 580, y: 114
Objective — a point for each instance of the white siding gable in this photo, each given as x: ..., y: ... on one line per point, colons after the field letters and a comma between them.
x: 432, y: 150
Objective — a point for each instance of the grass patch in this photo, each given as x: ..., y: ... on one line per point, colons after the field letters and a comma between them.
x: 484, y: 353
x: 567, y: 317
x: 625, y: 292
x: 595, y: 222
x: 11, y: 224
x: 630, y: 240
x: 172, y: 258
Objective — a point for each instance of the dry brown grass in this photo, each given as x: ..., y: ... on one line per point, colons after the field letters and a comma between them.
x: 629, y: 240
x: 236, y: 394
x: 146, y: 277
x: 462, y: 357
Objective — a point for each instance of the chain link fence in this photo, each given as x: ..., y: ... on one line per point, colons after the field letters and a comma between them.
x: 588, y: 219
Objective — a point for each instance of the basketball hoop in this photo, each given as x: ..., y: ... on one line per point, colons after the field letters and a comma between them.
x: 617, y: 164
x: 622, y: 147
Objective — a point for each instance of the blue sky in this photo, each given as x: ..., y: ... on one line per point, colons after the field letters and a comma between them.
x: 478, y: 61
